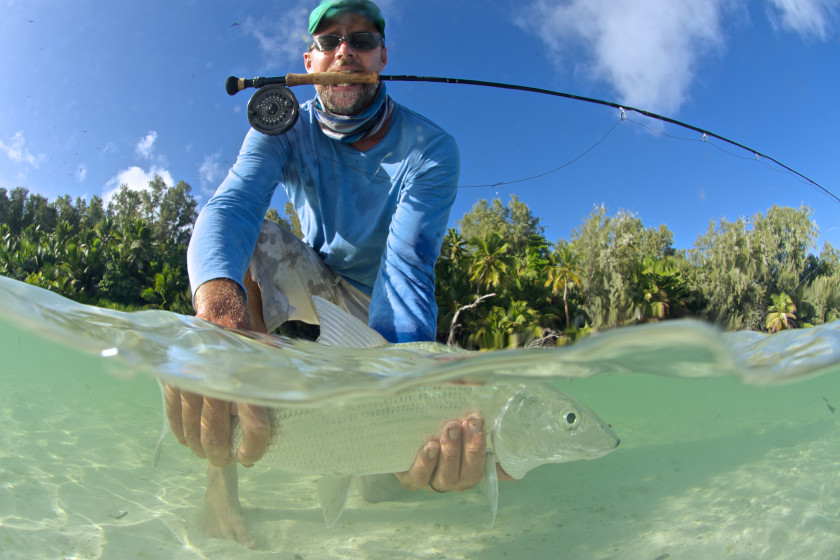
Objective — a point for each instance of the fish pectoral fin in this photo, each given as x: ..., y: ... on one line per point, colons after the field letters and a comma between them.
x: 164, y: 429
x: 159, y: 444
x: 333, y: 492
x: 491, y: 480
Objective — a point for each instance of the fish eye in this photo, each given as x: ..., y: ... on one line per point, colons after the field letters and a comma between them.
x: 569, y: 419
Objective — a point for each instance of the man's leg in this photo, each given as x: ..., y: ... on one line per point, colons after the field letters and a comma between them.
x: 222, y: 517
x: 255, y: 304
x: 282, y: 277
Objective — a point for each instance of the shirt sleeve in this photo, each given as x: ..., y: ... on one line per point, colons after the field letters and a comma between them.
x: 227, y: 228
x: 403, y: 307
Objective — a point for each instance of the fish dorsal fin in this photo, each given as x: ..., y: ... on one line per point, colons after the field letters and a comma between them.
x: 339, y: 328
x: 333, y: 492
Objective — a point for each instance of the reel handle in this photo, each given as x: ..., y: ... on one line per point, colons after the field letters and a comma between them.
x: 234, y: 85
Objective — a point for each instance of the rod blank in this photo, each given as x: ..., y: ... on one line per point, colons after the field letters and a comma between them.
x: 234, y: 85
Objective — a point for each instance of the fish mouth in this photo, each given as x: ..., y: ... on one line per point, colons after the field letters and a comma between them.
x: 597, y: 454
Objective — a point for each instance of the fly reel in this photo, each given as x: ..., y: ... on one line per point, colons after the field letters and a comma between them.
x: 273, y: 109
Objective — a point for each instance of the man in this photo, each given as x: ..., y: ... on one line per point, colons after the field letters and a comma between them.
x: 373, y: 184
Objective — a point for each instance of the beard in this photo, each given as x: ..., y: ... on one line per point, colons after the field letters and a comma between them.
x: 347, y: 102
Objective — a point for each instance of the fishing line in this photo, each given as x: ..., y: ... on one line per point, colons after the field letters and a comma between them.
x: 486, y: 185
x: 568, y: 163
x: 705, y: 140
x: 807, y: 276
x: 269, y: 110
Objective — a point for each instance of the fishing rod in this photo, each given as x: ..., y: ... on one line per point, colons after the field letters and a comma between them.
x: 273, y: 109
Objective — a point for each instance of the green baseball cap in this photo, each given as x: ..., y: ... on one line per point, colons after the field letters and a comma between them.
x: 331, y: 8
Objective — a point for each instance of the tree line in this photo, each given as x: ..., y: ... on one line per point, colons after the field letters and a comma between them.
x: 499, y: 281
x: 754, y: 273
x: 129, y: 253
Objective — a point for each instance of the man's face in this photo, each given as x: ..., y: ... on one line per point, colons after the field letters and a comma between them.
x: 349, y: 99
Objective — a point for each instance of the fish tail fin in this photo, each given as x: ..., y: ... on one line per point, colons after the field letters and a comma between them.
x: 333, y: 492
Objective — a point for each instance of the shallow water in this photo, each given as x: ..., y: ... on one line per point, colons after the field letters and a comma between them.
x: 740, y: 465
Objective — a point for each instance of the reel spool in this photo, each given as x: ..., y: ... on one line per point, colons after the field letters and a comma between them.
x: 273, y: 109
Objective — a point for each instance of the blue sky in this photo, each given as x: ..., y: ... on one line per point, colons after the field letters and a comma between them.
x: 103, y: 93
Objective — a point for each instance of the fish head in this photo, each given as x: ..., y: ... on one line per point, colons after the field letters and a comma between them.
x: 540, y: 424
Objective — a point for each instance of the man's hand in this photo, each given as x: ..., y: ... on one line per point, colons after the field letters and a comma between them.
x: 203, y: 423
x: 453, y: 461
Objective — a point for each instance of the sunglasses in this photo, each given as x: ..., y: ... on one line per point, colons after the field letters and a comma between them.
x: 360, y: 41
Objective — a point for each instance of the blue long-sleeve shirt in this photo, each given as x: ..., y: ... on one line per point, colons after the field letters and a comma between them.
x: 377, y: 217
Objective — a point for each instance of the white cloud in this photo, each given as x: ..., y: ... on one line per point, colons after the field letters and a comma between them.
x: 145, y: 147
x: 16, y: 151
x: 136, y: 179
x: 647, y: 50
x: 806, y: 17
x: 282, y: 37
x: 210, y: 171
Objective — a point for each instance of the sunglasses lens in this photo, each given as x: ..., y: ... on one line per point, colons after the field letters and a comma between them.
x: 326, y: 43
x: 364, y: 41
x: 359, y: 41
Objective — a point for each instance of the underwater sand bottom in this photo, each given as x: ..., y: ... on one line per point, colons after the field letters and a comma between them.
x: 75, y: 486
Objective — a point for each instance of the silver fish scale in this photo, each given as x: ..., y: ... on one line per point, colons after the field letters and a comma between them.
x: 377, y: 436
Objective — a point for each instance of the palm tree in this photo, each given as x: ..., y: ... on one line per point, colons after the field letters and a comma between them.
x: 507, y: 327
x: 657, y: 288
x: 490, y: 261
x: 129, y: 267
x: 522, y: 321
x: 169, y: 291
x: 489, y: 332
x: 564, y: 269
x: 454, y: 247
x: 780, y: 315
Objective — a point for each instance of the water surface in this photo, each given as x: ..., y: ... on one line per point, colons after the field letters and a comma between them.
x: 729, y: 449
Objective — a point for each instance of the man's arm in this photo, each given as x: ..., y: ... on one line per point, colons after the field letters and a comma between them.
x: 217, y: 259
x: 228, y: 226
x: 403, y: 307
x: 203, y: 423
x: 221, y: 301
